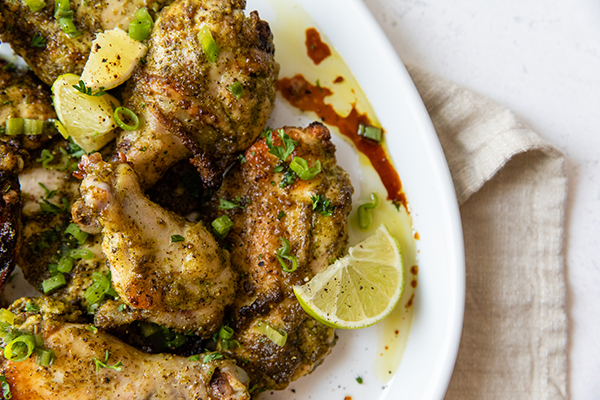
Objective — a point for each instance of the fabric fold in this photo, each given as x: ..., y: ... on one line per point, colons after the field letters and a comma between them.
x: 511, y: 186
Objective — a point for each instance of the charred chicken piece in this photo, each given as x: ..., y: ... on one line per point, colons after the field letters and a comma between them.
x: 166, y: 269
x: 91, y: 364
x: 187, y: 101
x: 40, y: 40
x: 270, y: 205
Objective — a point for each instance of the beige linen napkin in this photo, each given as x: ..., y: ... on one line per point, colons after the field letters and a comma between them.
x: 511, y: 186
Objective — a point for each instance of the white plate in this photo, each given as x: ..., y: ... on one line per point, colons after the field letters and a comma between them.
x: 431, y: 351
x: 428, y: 361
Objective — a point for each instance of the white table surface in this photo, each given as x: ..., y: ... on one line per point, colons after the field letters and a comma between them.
x: 541, y: 59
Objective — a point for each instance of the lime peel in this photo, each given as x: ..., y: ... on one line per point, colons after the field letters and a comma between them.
x: 359, y: 289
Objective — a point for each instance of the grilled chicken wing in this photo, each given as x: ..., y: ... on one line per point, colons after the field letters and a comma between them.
x: 54, y: 53
x: 21, y: 96
x: 186, y: 102
x: 168, y: 270
x: 75, y: 373
x: 266, y: 213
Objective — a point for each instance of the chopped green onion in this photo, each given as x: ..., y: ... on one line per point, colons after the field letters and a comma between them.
x: 228, y: 205
x: 77, y: 233
x: 195, y: 357
x: 20, y: 348
x: 364, y: 216
x: 7, y: 318
x: 370, y: 132
x: 61, y: 129
x: 209, y: 46
x: 177, y: 238
x: 215, y: 355
x: 65, y: 264
x: 68, y: 27
x: 237, y: 90
x: 33, y: 126
x: 14, y: 126
x: 45, y: 157
x: 225, y: 332
x: 62, y: 9
x: 284, y: 252
x: 148, y: 328
x: 141, y: 26
x: 81, y: 253
x: 97, y: 290
x: 128, y: 113
x: 44, y: 358
x: 35, y: 5
x: 300, y: 166
x: 55, y: 282
x: 6, y: 394
x: 221, y: 226
x: 92, y: 328
x: 31, y: 307
x: 275, y: 335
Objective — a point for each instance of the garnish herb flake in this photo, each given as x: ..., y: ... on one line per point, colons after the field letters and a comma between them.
x: 38, y: 41
x: 284, y: 253
x: 177, y: 238
x: 88, y: 91
x: 102, y: 364
x: 322, y: 205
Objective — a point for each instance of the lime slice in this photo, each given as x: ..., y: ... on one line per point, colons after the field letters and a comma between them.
x: 113, y: 58
x: 88, y: 119
x: 359, y: 289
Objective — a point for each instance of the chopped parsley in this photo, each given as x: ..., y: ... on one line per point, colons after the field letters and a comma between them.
x: 208, y: 357
x: 288, y: 178
x: 280, y: 215
x: 322, y: 205
x: 177, y: 238
x: 281, y: 152
x: 242, y: 158
x: 359, y: 380
x: 38, y: 41
x: 229, y: 205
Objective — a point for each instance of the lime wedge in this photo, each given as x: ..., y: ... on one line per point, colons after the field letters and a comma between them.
x: 359, y: 289
x: 88, y: 119
x: 113, y: 58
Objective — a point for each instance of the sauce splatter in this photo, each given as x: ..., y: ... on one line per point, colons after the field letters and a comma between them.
x: 413, y: 283
x: 410, y: 301
x: 307, y: 97
x: 348, y: 398
x: 317, y: 50
x: 339, y: 79
x: 414, y: 270
x: 417, y: 236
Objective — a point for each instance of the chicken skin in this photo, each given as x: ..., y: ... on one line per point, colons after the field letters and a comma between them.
x: 268, y: 209
x: 91, y: 364
x: 166, y: 269
x: 54, y: 53
x: 186, y: 99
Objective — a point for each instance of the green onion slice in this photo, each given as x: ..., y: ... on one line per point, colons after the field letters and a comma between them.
x: 370, y: 132
x: 300, y: 167
x: 44, y: 358
x: 33, y: 126
x: 68, y: 27
x: 77, y: 233
x: 141, y: 26
x: 225, y: 332
x: 101, y: 286
x: 5, y: 388
x: 55, y: 282
x: 221, y: 226
x: 78, y: 254
x: 274, y: 334
x: 7, y: 318
x: 62, y: 9
x: 284, y: 252
x: 236, y: 89
x: 363, y: 213
x: 35, y: 5
x: 14, y: 126
x: 130, y: 114
x: 65, y: 264
x: 209, y: 46
x: 20, y: 348
x: 61, y: 129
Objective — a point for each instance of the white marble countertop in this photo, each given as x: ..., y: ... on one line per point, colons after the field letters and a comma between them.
x: 541, y: 59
